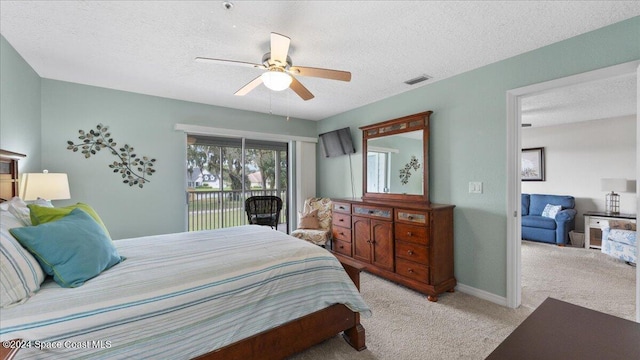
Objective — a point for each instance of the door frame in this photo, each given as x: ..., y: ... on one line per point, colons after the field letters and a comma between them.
x: 514, y: 145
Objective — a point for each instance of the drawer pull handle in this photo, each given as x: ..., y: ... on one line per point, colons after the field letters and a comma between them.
x: 341, y: 247
x: 410, y: 252
x: 341, y: 233
x: 410, y: 217
x: 409, y: 233
x: 410, y: 270
x: 369, y: 241
x: 341, y: 220
x: 371, y: 211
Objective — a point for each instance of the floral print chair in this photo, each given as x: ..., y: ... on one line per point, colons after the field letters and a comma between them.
x: 315, y: 221
x: 619, y: 239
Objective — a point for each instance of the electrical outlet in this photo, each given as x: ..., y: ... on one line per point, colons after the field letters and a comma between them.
x: 475, y: 187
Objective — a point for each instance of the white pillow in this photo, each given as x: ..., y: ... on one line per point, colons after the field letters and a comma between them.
x: 19, y: 209
x: 20, y: 273
x: 551, y: 211
x: 8, y: 221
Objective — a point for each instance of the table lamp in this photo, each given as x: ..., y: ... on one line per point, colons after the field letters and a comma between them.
x: 612, y: 200
x: 44, y: 185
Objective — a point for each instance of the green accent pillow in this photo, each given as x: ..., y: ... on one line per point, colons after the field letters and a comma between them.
x: 73, y: 249
x: 40, y: 214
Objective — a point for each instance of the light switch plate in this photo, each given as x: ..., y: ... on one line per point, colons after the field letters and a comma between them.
x: 475, y: 187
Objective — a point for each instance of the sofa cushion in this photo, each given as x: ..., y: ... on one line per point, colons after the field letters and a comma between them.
x: 538, y: 202
x: 525, y: 204
x: 551, y: 211
x: 539, y: 222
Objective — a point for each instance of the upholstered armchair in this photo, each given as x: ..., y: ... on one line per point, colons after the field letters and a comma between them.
x: 315, y: 221
x: 620, y: 240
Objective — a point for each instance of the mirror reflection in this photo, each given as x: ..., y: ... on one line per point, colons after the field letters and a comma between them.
x: 395, y: 164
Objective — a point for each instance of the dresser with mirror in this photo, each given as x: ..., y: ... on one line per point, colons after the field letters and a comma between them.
x: 394, y: 231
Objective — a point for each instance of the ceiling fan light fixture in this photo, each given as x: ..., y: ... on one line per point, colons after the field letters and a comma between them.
x: 276, y: 80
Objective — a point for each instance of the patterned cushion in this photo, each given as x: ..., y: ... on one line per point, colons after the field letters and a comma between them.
x: 551, y: 211
x: 323, y: 205
x: 323, y: 234
x: 20, y: 273
x: 318, y: 237
x: 309, y: 220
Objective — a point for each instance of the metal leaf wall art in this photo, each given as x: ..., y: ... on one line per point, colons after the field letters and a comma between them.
x: 133, y: 169
x: 405, y: 173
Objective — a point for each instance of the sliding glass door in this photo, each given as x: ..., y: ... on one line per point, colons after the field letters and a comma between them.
x: 223, y: 172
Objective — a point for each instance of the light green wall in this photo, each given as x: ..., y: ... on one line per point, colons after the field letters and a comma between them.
x: 19, y: 108
x: 146, y: 123
x: 468, y: 140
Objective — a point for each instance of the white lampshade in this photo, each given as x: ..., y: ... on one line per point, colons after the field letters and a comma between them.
x: 45, y: 185
x: 276, y: 80
x: 614, y: 185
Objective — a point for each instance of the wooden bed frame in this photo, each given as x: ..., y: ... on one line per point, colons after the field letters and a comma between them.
x: 277, y: 343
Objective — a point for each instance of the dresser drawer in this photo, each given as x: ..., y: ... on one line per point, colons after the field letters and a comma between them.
x: 342, y: 247
x: 341, y: 233
x: 371, y: 211
x: 412, y: 270
x: 342, y: 220
x: 412, y: 216
x: 412, y: 233
x: 342, y: 207
x: 413, y: 252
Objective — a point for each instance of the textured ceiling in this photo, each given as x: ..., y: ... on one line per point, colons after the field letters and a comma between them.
x: 596, y: 100
x: 149, y: 46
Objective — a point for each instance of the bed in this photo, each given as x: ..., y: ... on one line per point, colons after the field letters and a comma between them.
x: 247, y: 292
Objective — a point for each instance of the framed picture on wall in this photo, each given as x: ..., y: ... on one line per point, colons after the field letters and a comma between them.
x: 532, y: 164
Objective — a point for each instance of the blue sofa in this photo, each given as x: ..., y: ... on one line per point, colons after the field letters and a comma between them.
x: 546, y: 229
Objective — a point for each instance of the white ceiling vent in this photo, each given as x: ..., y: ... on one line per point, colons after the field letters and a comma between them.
x: 418, y: 79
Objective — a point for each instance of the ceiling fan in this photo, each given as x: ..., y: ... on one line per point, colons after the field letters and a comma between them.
x: 279, y: 74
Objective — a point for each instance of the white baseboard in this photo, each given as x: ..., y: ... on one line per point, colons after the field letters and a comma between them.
x: 485, y: 295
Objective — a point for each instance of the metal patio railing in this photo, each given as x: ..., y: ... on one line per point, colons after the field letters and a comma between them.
x: 209, y: 210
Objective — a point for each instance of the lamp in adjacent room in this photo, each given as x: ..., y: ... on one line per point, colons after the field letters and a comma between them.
x: 44, y: 185
x: 612, y: 200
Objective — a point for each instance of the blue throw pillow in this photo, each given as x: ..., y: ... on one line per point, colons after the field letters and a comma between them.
x: 73, y: 249
x: 551, y: 211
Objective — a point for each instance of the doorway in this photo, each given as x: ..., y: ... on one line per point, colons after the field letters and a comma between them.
x: 514, y: 145
x: 223, y: 172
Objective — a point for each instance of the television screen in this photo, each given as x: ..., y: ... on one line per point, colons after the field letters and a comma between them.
x: 337, y: 143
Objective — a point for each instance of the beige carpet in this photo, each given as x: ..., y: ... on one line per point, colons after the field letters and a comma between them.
x: 405, y: 326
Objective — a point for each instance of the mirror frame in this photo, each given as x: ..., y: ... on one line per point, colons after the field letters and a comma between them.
x: 401, y: 125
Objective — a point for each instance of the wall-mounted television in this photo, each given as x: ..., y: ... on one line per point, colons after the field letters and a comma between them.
x: 337, y: 143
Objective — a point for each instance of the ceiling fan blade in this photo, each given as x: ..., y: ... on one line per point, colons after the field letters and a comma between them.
x: 300, y: 89
x: 250, y: 86
x: 279, y: 48
x: 321, y: 73
x: 230, y: 62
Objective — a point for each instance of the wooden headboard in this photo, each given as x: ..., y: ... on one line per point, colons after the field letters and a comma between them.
x: 9, y: 174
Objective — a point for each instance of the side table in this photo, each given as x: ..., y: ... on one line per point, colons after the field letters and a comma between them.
x: 592, y: 231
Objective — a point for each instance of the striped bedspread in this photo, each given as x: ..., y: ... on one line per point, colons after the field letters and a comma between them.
x: 178, y: 296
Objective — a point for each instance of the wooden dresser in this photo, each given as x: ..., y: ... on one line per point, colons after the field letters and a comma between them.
x: 406, y: 243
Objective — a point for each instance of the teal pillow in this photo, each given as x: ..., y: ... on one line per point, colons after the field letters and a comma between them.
x: 73, y: 249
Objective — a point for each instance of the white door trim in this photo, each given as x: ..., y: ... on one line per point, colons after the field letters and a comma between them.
x: 514, y: 97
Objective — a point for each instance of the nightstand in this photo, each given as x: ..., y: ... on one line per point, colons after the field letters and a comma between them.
x: 592, y: 231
